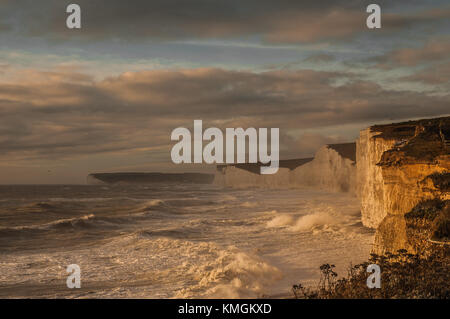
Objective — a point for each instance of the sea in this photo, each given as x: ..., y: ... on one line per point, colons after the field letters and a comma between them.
x: 173, y: 241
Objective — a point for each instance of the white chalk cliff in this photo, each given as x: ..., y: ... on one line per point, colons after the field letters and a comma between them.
x: 332, y: 169
x: 402, y: 168
x: 398, y: 171
x: 370, y: 188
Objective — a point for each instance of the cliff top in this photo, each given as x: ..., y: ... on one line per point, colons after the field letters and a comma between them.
x: 347, y: 150
x: 418, y: 141
x: 408, y: 129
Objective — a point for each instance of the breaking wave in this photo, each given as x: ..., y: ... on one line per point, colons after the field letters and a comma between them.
x: 231, y: 274
x: 325, y: 219
x: 315, y: 220
x: 69, y: 222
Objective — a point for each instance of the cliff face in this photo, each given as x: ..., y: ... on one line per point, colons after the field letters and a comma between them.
x: 399, y: 167
x: 369, y: 150
x: 423, y: 230
x: 332, y: 169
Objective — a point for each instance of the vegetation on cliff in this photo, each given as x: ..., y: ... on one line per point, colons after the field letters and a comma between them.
x: 441, y: 227
x: 403, y: 275
x: 428, y: 222
x: 422, y: 141
x: 441, y: 181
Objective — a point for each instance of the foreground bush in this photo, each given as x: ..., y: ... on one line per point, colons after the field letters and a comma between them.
x: 403, y: 275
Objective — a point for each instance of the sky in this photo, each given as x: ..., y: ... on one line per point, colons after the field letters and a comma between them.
x: 106, y: 97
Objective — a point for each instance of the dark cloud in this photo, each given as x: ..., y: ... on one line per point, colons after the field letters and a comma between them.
x: 280, y: 21
x: 320, y: 58
x: 434, y: 50
x: 394, y: 21
x: 437, y: 74
x: 4, y: 27
x: 53, y: 117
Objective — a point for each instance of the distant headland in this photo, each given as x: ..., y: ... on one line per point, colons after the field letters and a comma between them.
x: 149, y: 178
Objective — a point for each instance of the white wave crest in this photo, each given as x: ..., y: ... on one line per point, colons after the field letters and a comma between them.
x: 315, y: 220
x: 233, y: 274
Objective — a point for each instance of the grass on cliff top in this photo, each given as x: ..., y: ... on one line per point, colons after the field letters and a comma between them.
x: 403, y: 275
x: 423, y: 140
x: 395, y: 131
x: 407, y: 129
x: 425, y: 146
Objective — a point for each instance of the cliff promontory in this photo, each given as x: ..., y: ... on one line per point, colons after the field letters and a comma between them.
x: 402, y: 168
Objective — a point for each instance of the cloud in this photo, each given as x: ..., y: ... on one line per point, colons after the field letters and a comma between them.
x: 4, y: 68
x: 394, y: 21
x: 437, y: 74
x: 4, y: 27
x: 59, y: 117
x: 274, y: 21
x: 320, y: 58
x: 435, y: 50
